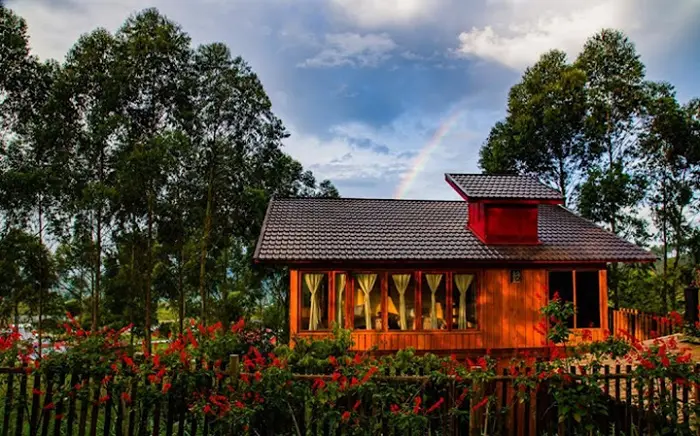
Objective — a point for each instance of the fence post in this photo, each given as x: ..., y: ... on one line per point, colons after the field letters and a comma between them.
x: 234, y: 368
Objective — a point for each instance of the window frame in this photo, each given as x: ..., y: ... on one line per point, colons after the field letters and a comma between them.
x: 384, y: 277
x: 573, y: 272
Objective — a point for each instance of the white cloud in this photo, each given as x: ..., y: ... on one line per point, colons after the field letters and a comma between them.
x: 382, y: 13
x: 352, y: 49
x: 518, y: 32
x: 518, y: 44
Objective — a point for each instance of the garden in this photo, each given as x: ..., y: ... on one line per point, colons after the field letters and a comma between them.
x: 238, y: 379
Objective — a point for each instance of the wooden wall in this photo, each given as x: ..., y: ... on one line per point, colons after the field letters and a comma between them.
x: 507, y: 316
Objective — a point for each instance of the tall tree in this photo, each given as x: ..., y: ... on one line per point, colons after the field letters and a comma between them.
x: 154, y: 53
x: 615, y: 95
x: 542, y: 133
x: 668, y: 156
x: 92, y: 82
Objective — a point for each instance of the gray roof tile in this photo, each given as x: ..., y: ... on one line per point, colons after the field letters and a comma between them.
x: 505, y: 186
x: 371, y: 229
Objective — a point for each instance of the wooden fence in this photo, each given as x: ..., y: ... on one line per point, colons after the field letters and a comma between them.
x: 640, y: 325
x: 31, y: 405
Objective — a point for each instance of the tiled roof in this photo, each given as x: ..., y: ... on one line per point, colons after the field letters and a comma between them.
x: 313, y: 229
x: 486, y: 186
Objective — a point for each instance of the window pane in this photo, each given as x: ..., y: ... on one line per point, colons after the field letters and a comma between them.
x: 314, y: 301
x: 367, y: 302
x: 587, y: 299
x: 562, y: 282
x: 434, y: 302
x: 464, y: 302
x: 340, y: 294
x: 398, y: 283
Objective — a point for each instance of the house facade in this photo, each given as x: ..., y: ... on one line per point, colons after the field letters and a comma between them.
x: 442, y: 276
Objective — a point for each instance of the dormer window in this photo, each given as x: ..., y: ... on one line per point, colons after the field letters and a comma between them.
x: 503, y: 209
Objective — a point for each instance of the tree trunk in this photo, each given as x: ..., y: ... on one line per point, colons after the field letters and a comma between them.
x: 181, y: 289
x: 664, y: 244
x: 562, y: 180
x: 205, y: 243
x: 98, y: 253
x: 41, y: 284
x: 149, y: 271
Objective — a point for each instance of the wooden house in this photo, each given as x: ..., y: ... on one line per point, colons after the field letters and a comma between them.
x: 442, y: 276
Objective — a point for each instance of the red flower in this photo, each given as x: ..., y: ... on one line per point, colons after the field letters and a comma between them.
x: 369, y: 374
x: 103, y: 399
x: 50, y: 406
x: 683, y: 358
x: 587, y: 335
x: 332, y: 360
x: 345, y: 416
x: 126, y: 397
x: 435, y: 406
x: 318, y: 384
x: 208, y: 410
x: 395, y: 408
x: 480, y: 404
x: 166, y: 387
x: 239, y: 405
x: 237, y: 327
x: 416, y: 405
x: 357, y: 405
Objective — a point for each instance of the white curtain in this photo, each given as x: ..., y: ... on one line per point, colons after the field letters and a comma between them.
x: 366, y: 282
x: 313, y: 282
x: 463, y: 281
x: 401, y: 282
x: 433, y: 283
x: 340, y: 298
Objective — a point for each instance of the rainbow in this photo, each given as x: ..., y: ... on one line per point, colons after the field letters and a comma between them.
x: 424, y: 155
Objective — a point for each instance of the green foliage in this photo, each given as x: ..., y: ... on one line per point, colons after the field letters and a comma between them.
x: 148, y: 163
x: 612, y: 142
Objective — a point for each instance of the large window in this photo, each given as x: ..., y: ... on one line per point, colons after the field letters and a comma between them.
x: 314, y: 301
x: 581, y: 288
x: 434, y: 301
x: 401, y: 302
x: 396, y: 301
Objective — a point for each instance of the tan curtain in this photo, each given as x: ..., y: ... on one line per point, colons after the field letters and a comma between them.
x: 340, y: 280
x: 401, y: 281
x: 366, y: 282
x: 463, y: 281
x: 313, y: 282
x: 433, y: 283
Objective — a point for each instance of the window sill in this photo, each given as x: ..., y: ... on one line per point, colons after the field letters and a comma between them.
x: 398, y: 332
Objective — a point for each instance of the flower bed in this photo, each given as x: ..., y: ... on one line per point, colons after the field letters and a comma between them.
x: 320, y: 386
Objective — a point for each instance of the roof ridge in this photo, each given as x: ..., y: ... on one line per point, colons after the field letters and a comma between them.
x: 423, y: 200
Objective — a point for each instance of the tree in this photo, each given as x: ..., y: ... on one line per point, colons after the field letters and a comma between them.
x: 614, y: 90
x: 668, y: 155
x: 542, y: 133
x: 153, y: 54
x: 26, y: 273
x: 92, y: 83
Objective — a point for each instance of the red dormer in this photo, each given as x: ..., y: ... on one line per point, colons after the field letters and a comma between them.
x: 503, y: 209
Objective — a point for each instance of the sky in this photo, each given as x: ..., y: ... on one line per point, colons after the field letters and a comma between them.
x: 383, y: 97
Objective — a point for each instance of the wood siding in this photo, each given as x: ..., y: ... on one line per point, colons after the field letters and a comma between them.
x: 507, y: 315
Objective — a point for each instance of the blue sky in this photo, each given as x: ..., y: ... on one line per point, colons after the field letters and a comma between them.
x: 363, y: 85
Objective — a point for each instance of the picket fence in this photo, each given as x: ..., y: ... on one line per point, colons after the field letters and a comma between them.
x: 30, y: 406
